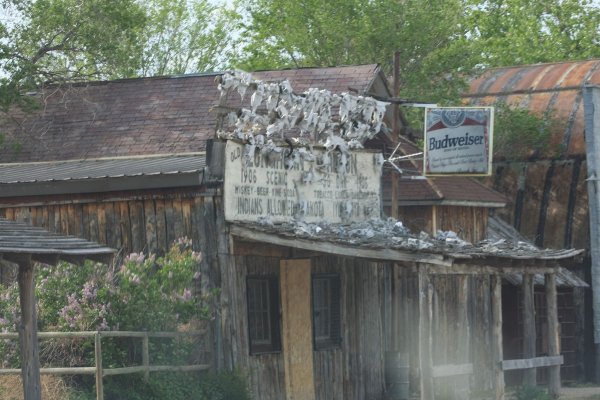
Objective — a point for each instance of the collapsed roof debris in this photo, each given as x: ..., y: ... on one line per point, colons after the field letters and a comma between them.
x: 276, y: 110
x: 391, y: 233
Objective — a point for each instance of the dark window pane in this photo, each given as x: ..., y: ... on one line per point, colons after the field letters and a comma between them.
x: 326, y: 311
x: 263, y: 314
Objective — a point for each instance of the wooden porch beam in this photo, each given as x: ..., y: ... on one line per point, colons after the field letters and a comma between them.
x: 498, y: 350
x: 30, y: 367
x: 471, y: 269
x: 425, y: 340
x: 529, y: 334
x: 553, y: 335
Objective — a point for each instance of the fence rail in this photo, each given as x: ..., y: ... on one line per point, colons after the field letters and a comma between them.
x: 98, y: 369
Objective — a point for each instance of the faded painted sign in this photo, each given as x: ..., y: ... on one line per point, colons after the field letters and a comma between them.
x: 458, y: 140
x: 264, y: 185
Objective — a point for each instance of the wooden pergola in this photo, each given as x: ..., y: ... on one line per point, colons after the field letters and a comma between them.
x: 23, y: 245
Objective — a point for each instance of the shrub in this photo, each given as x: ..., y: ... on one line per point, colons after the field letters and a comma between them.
x: 143, y: 293
x: 532, y: 393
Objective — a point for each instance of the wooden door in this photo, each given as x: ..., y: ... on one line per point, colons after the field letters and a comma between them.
x: 295, y: 285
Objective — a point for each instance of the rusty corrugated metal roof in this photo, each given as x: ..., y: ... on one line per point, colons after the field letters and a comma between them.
x: 543, y: 88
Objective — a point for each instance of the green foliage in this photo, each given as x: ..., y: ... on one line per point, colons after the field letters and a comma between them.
x: 58, y: 41
x: 532, y: 393
x: 513, y: 32
x: 173, y: 386
x: 519, y: 134
x: 440, y: 42
x: 281, y: 33
x: 62, y: 40
x: 224, y: 386
x: 185, y: 36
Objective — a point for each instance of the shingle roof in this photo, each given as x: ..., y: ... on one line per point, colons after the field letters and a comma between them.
x: 165, y: 115
x: 543, y: 88
x: 449, y: 190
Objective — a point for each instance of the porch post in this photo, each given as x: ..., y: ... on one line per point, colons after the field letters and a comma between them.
x: 553, y: 335
x: 497, y: 336
x: 425, y: 341
x: 529, y: 334
x: 30, y: 367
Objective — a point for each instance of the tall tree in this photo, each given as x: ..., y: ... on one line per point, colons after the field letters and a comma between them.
x: 440, y: 42
x: 513, y: 32
x: 58, y: 41
x: 53, y: 41
x: 322, y: 33
x: 186, y: 36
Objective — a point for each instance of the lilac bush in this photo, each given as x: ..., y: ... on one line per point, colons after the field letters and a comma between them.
x: 144, y: 292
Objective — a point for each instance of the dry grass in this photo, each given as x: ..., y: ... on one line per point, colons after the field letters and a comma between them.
x: 53, y: 388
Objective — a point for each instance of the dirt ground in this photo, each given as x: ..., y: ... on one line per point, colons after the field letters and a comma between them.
x: 581, y: 393
x: 53, y: 388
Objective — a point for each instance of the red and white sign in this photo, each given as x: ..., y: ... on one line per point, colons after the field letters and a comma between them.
x: 458, y: 141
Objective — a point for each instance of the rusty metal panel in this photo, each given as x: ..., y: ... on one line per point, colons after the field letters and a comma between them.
x: 545, y: 88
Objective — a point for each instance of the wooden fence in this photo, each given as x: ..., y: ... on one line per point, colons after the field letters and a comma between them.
x: 98, y: 369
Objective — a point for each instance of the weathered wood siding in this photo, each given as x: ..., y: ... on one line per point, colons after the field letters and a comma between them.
x: 470, y: 223
x: 380, y: 313
x: 128, y: 221
x: 352, y: 371
x: 356, y: 369
x: 461, y: 328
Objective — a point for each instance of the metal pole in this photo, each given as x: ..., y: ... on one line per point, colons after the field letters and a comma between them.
x: 591, y: 101
x: 395, y: 132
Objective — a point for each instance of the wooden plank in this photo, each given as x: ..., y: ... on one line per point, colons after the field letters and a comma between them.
x: 161, y: 225
x: 498, y: 347
x: 440, y: 371
x: 124, y: 225
x: 93, y: 216
x: 529, y: 335
x: 150, y: 226
x: 186, y: 211
x: 295, y: 278
x: 138, y: 233
x: 101, y: 216
x: 459, y: 268
x: 532, y: 363
x: 113, y: 231
x: 553, y: 334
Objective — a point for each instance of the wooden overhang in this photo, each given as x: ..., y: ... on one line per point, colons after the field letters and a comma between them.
x: 488, y: 258
x: 23, y: 245
x: 18, y: 240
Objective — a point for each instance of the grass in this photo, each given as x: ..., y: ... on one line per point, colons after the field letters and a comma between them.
x: 53, y: 388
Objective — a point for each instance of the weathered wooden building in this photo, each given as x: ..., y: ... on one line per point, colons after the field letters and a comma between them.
x: 135, y: 164
x: 546, y: 190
